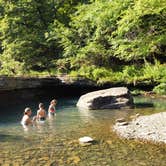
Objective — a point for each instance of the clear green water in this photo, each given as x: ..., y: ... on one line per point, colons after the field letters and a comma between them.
x: 56, y: 142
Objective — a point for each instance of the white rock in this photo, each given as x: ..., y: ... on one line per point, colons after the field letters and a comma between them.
x: 85, y: 139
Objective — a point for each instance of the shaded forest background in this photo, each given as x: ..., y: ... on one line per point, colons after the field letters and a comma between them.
x: 108, y: 41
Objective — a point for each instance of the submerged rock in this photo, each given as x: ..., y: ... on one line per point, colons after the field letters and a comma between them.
x: 111, y: 98
x: 74, y: 159
x: 109, y: 142
x: 85, y: 139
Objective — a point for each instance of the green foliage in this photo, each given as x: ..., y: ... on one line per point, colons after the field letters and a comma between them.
x: 22, y: 27
x: 100, y: 73
x: 87, y: 38
x: 9, y: 67
x: 134, y: 74
x: 86, y: 71
x: 137, y: 92
x: 154, y: 72
x: 104, y: 31
x: 113, y: 41
x: 25, y: 28
x: 141, y: 30
x: 130, y: 74
x: 160, y: 89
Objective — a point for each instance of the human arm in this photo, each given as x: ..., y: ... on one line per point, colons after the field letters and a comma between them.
x: 38, y: 114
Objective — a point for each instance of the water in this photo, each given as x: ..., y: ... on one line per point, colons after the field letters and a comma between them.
x: 56, y: 142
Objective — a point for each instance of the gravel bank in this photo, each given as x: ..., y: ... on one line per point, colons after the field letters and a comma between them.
x: 151, y: 128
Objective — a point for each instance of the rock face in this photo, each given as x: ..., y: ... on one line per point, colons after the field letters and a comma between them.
x: 106, y: 99
x: 12, y: 83
x: 15, y: 83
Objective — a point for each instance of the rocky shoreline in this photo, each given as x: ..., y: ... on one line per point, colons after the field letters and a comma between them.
x: 149, y: 128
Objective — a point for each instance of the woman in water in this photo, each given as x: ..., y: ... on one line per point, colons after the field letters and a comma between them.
x: 26, y: 120
x: 51, y: 109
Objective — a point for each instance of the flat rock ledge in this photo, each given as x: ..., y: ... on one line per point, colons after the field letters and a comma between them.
x: 15, y: 83
x: 111, y: 98
x: 149, y: 128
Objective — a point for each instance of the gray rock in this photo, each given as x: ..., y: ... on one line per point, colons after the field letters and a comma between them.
x: 16, y: 83
x: 111, y: 98
x: 150, y: 127
x: 13, y: 83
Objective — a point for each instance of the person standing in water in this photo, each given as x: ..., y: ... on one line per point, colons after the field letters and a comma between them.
x: 41, y: 113
x: 51, y: 109
x: 26, y: 120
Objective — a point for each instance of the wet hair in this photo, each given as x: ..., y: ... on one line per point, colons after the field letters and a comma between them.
x: 41, y: 105
x: 53, y: 101
x: 27, y: 109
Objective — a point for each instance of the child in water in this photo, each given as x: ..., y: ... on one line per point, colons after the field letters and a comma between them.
x: 51, y: 109
x: 26, y: 120
x: 41, y: 113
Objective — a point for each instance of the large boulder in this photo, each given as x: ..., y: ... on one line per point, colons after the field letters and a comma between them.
x: 106, y: 99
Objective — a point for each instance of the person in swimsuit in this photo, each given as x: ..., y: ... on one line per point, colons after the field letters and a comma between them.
x: 41, y: 113
x: 51, y: 109
x: 26, y: 120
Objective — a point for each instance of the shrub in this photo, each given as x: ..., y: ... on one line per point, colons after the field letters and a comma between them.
x: 160, y: 89
x: 131, y: 74
x: 99, y: 73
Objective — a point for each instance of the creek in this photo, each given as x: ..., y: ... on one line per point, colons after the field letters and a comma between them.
x: 56, y: 142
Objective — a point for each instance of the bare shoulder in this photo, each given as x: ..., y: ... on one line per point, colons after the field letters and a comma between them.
x: 38, y: 111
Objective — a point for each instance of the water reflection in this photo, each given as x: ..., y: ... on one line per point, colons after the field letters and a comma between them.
x: 92, y: 115
x: 144, y: 105
x: 9, y: 137
x: 145, y: 102
x: 86, y: 115
x: 26, y: 128
x: 41, y: 126
x: 51, y: 122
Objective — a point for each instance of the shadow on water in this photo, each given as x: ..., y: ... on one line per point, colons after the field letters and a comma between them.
x: 145, y: 102
x: 19, y: 96
x: 7, y: 137
x: 144, y: 105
